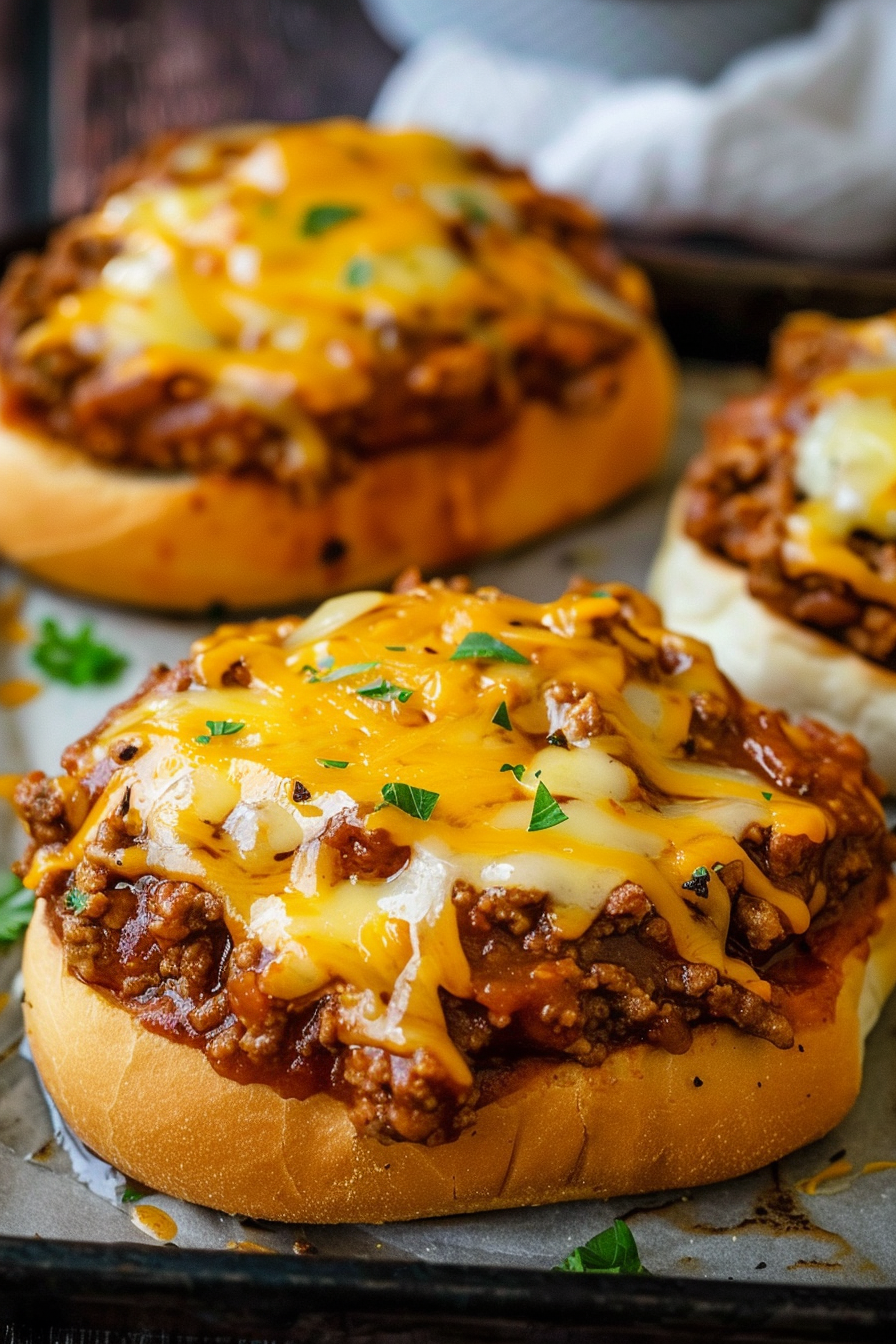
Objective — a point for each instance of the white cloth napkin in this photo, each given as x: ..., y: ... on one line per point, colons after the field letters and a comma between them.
x: 793, y: 147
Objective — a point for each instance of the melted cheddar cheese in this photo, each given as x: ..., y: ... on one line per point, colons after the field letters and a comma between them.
x: 276, y: 262
x: 845, y: 470
x: 232, y: 786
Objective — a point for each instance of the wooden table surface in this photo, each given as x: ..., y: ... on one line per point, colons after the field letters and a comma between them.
x: 83, y: 81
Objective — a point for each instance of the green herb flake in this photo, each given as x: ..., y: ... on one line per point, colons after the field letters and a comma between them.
x: 517, y: 770
x: 698, y: 882
x: 358, y: 272
x: 321, y: 218
x: 611, y: 1252
x: 219, y: 728
x: 601, y: 592
x: 502, y: 718
x: 381, y: 689
x: 331, y: 765
x: 76, y: 900
x: 477, y: 645
x: 546, y: 811
x: 350, y: 670
x: 558, y: 739
x: 132, y: 1194
x: 470, y: 206
x: 767, y: 797
x: 78, y: 659
x: 396, y: 648
x: 16, y: 908
x: 416, y: 802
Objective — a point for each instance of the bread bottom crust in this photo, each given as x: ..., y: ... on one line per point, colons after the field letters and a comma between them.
x: 184, y: 543
x: 768, y: 657
x: 644, y: 1120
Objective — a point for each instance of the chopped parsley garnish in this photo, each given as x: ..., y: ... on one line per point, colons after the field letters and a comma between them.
x: 132, y: 1193
x: 416, y: 802
x: 517, y: 770
x: 321, y: 218
x: 381, y: 689
x: 316, y: 673
x: 502, y: 718
x: 219, y: 728
x: 77, y: 659
x: 76, y: 900
x: 470, y: 206
x: 331, y: 765
x: 698, y: 882
x: 557, y: 739
x: 358, y: 272
x: 610, y: 1252
x: 601, y: 592
x: 16, y: 908
x: 350, y: 670
x: 396, y: 648
x: 546, y: 811
x: 477, y: 644
x: 767, y: 797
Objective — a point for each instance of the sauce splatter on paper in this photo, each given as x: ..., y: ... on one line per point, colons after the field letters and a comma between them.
x: 154, y: 1222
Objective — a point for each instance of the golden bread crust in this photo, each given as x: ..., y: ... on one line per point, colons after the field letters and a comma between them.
x: 158, y: 1111
x: 184, y: 542
x: 768, y: 656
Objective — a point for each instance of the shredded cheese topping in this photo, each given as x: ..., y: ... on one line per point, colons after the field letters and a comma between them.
x: 272, y: 262
x: 845, y: 467
x: 231, y: 788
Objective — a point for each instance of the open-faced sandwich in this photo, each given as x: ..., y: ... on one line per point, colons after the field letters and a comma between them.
x: 277, y: 362
x: 443, y: 901
x: 781, y: 544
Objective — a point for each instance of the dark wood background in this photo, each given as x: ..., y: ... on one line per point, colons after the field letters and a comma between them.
x: 82, y: 81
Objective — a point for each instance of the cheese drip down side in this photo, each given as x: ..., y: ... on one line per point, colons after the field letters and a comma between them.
x: 243, y: 812
x: 845, y: 469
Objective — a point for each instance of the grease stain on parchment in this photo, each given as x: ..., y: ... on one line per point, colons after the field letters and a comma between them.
x: 776, y: 1211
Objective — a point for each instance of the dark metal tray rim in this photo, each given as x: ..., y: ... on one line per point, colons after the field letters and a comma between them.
x: 150, y: 1288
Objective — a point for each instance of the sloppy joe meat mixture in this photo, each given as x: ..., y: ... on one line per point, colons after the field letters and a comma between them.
x: 741, y: 488
x: 435, y: 327
x: 162, y: 949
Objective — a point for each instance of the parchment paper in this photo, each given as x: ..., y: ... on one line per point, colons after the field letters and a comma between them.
x: 760, y: 1227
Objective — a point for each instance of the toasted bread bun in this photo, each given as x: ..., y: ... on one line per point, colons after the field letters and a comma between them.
x: 280, y: 362
x: 780, y: 542
x: 187, y: 542
x: 645, y: 1120
x: 773, y: 659
x: 513, y: 905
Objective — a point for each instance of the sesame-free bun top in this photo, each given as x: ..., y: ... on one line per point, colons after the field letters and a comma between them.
x: 276, y: 361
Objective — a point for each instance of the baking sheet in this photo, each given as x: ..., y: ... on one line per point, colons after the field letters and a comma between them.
x: 760, y: 1227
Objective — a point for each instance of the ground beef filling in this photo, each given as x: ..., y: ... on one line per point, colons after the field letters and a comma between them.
x: 739, y: 491
x: 418, y: 385
x: 162, y: 949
